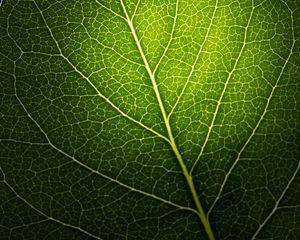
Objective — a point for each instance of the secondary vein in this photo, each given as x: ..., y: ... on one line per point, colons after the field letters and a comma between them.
x: 254, y: 131
x: 195, y: 61
x: 276, y: 204
x: 224, y: 90
x: 91, y: 169
x: 43, y: 214
x: 188, y: 177
x: 93, y: 86
x: 170, y: 39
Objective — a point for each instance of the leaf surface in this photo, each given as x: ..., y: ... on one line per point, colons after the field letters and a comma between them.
x: 147, y: 119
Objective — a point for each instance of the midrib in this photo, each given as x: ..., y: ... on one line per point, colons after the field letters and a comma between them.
x: 171, y: 139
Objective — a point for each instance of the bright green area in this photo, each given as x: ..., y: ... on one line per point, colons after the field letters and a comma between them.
x: 149, y: 119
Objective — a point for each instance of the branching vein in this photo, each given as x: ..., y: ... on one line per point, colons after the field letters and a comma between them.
x: 196, y: 60
x: 254, y: 131
x: 50, y: 218
x: 223, y: 91
x: 276, y: 204
x: 172, y: 142
x: 93, y: 86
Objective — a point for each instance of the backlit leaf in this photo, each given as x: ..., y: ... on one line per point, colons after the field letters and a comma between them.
x: 149, y: 119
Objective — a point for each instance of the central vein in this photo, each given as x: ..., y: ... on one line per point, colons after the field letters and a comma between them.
x: 171, y: 139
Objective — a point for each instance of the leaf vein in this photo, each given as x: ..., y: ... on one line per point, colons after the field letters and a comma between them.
x: 42, y: 213
x: 196, y: 59
x: 110, y: 10
x: 255, y: 128
x: 173, y: 145
x: 223, y: 91
x: 95, y: 171
x: 93, y: 86
x: 276, y: 204
x: 135, y: 10
x: 170, y: 39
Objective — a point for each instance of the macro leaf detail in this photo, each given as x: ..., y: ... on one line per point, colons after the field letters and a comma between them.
x: 147, y: 119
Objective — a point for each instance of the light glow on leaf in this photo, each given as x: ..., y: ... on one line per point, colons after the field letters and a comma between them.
x: 147, y: 119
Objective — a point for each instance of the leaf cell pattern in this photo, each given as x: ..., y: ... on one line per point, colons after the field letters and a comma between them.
x: 147, y: 119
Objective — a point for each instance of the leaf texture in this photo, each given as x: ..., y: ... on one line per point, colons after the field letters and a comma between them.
x: 147, y: 119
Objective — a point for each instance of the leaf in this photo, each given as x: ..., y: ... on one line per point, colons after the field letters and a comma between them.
x: 149, y: 119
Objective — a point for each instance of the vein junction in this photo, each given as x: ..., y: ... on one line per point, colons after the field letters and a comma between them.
x: 171, y: 139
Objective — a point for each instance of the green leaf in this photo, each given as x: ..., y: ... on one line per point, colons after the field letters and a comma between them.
x: 147, y: 119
